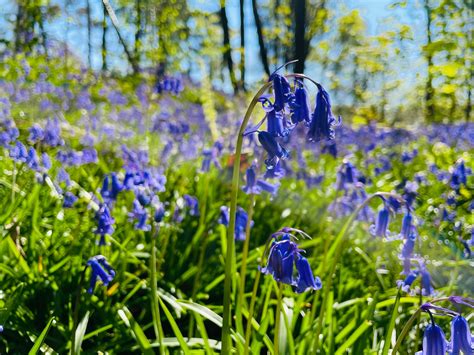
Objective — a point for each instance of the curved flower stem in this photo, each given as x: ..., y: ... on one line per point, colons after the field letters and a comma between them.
x: 229, y: 258
x: 276, y: 341
x: 243, y: 268
x: 154, y: 291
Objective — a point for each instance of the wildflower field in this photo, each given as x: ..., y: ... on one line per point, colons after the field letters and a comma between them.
x: 153, y: 213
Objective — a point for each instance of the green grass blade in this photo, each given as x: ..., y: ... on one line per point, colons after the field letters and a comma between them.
x: 391, y: 325
x: 174, y: 326
x: 136, y: 330
x: 353, y: 338
x: 39, y: 341
x: 80, y: 331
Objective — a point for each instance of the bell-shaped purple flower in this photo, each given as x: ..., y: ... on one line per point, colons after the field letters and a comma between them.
x: 276, y: 124
x: 193, y: 205
x: 461, y: 338
x: 69, y: 199
x: 104, y: 223
x: 301, y: 111
x: 434, y: 341
x: 281, y: 91
x: 322, y: 120
x: 273, y: 148
x: 380, y: 229
x: 281, y: 260
x: 100, y: 269
x: 306, y: 280
x: 406, y: 225
x: 36, y: 133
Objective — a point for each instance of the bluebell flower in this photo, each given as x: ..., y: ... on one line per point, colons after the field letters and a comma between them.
x: 18, y: 152
x: 268, y: 187
x: 426, y: 288
x: 104, y: 223
x: 63, y: 176
x: 36, y: 133
x: 306, y: 280
x: 100, y: 269
x: 251, y: 186
x: 192, y: 204
x: 301, y: 108
x: 410, y: 278
x: 461, y: 338
x: 52, y: 133
x: 241, y: 219
x: 1, y: 328
x: 406, y: 225
x: 224, y: 216
x: 159, y: 209
x: 380, y: 229
x: 140, y: 214
x: 434, y: 341
x: 322, y: 120
x: 276, y: 173
x: 32, y: 159
x: 409, y: 243
x: 275, y: 124
x: 46, y: 160
x: 281, y: 259
x: 284, y: 256
x: 111, y: 187
x: 69, y: 199
x: 255, y: 186
x: 281, y: 91
x: 273, y: 148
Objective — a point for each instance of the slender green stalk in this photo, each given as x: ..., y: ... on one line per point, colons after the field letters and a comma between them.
x: 202, y: 252
x: 13, y: 182
x: 75, y: 317
x: 253, y: 300
x: 154, y: 291
x: 226, y: 340
x: 243, y: 267
x: 229, y: 258
x: 276, y: 339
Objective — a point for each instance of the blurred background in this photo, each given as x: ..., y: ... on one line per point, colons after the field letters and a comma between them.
x: 381, y: 60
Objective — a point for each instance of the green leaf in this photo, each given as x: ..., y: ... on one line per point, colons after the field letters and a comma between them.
x: 80, y: 331
x: 174, y: 326
x: 39, y: 341
x: 391, y: 325
x: 136, y: 330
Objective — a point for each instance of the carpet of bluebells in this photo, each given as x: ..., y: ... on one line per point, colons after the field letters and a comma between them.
x: 116, y: 196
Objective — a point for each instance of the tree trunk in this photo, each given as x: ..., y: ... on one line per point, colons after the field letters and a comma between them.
x: 227, y: 48
x: 429, y: 104
x: 261, y: 41
x: 299, y: 10
x: 138, y: 30
x: 89, y: 34
x: 104, y: 38
x: 242, y: 44
x: 113, y: 19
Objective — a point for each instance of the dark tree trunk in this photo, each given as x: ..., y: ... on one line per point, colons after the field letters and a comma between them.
x: 299, y: 10
x: 227, y: 48
x: 138, y: 30
x: 242, y: 44
x: 429, y: 104
x: 89, y: 34
x: 104, y: 38
x: 261, y: 40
